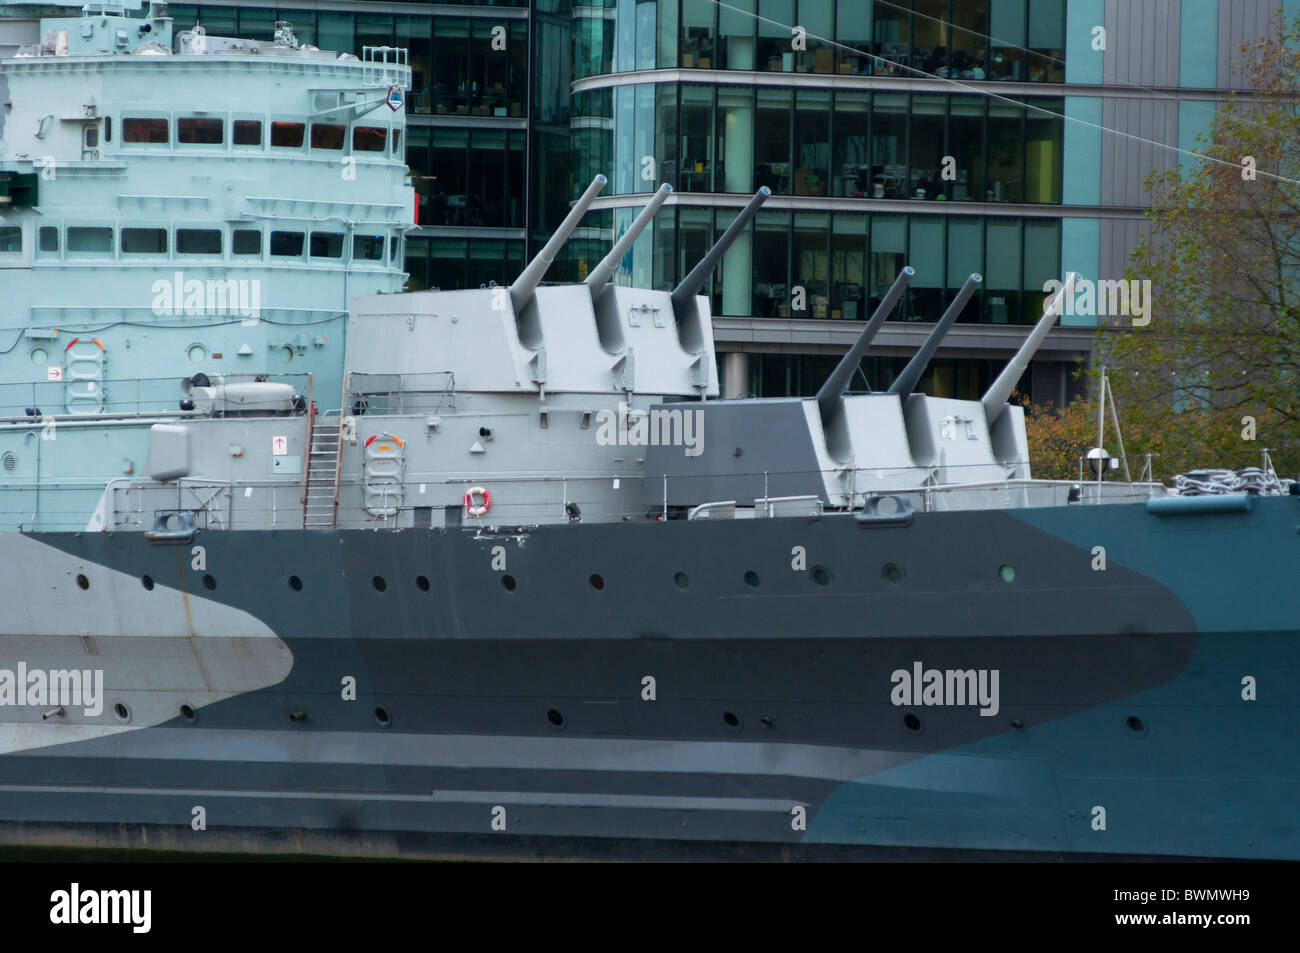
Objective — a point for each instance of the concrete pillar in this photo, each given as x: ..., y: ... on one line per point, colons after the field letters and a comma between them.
x: 735, y: 371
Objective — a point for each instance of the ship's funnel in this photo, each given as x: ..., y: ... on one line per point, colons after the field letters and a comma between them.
x: 521, y: 292
x: 605, y: 270
x: 907, y: 381
x: 831, y: 393
x: 684, y: 294
x: 996, y: 397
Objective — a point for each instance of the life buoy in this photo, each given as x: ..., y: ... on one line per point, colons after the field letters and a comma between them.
x: 477, y: 509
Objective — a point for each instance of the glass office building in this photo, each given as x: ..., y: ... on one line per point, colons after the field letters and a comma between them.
x: 1008, y: 137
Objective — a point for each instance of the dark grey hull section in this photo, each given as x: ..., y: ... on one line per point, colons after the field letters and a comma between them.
x: 497, y: 708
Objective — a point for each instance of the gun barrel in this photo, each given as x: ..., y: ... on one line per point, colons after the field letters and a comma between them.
x: 828, y: 398
x: 907, y: 381
x: 524, y: 286
x: 999, y: 392
x: 692, y: 283
x: 602, y: 272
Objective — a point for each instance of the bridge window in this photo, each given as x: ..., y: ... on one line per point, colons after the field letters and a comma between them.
x: 246, y: 241
x: 198, y: 241
x: 88, y: 240
x: 247, y: 132
x: 144, y: 241
x: 368, y: 138
x: 327, y: 137
x: 145, y: 130
x: 287, y: 135
x: 326, y: 245
x: 11, y: 239
x: 397, y: 142
x: 367, y: 247
x: 287, y: 244
x: 200, y: 132
x: 48, y: 239
x: 393, y: 248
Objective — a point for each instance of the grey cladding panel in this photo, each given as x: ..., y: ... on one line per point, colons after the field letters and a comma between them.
x: 1241, y: 21
x: 771, y: 436
x: 1126, y: 162
x: 1142, y: 42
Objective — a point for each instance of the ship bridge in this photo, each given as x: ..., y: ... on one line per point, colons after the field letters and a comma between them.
x: 190, y: 202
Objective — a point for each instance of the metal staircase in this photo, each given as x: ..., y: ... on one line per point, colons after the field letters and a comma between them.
x: 321, y: 487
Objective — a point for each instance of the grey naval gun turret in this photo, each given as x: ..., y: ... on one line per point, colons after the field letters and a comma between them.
x: 529, y: 579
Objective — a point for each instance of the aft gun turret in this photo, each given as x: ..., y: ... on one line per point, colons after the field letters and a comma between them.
x: 911, y: 376
x: 996, y: 397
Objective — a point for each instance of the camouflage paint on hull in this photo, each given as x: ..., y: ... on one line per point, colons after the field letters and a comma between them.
x: 1120, y: 688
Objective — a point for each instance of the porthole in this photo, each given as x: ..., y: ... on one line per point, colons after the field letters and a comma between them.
x: 821, y: 575
x: 40, y: 357
x: 197, y: 353
x: 555, y: 717
x: 379, y: 584
x: 1007, y: 573
x: 596, y: 581
x: 751, y: 579
x: 83, y: 582
x: 381, y: 716
x: 681, y: 580
x: 187, y: 713
x: 286, y: 355
x: 1136, y: 725
x: 295, y: 584
x: 9, y: 461
x: 147, y: 582
x: 912, y: 722
x: 508, y: 582
x: 122, y: 712
x: 422, y: 583
x: 209, y: 583
x: 731, y: 720
x: 892, y: 573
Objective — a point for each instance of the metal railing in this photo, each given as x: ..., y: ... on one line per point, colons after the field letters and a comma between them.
x: 399, y: 394
x: 125, y: 396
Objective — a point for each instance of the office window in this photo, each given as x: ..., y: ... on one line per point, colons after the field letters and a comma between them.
x: 812, y: 147
x: 889, y: 146
x: 1002, y: 285
x: 891, y: 40
x: 1007, y: 37
x: 965, y: 257
x: 888, y: 255
x: 848, y: 266
x: 816, y: 16
x: 811, y: 260
x: 772, y: 264
x: 927, y: 148
x: 966, y: 146
x: 926, y: 253
x: 697, y: 139
x: 1006, y: 141
x: 735, y: 139
x: 698, y: 35
x: 853, y: 31
x: 736, y: 35
x: 772, y: 140
x: 850, y: 168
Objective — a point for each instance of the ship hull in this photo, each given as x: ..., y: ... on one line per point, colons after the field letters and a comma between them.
x: 749, y: 682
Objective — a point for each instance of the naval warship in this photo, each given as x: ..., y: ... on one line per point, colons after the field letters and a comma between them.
x: 294, y: 561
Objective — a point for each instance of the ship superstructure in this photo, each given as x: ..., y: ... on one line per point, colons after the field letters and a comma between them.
x: 507, y: 567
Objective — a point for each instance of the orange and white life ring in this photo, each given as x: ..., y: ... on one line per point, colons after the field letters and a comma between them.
x: 477, y: 509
